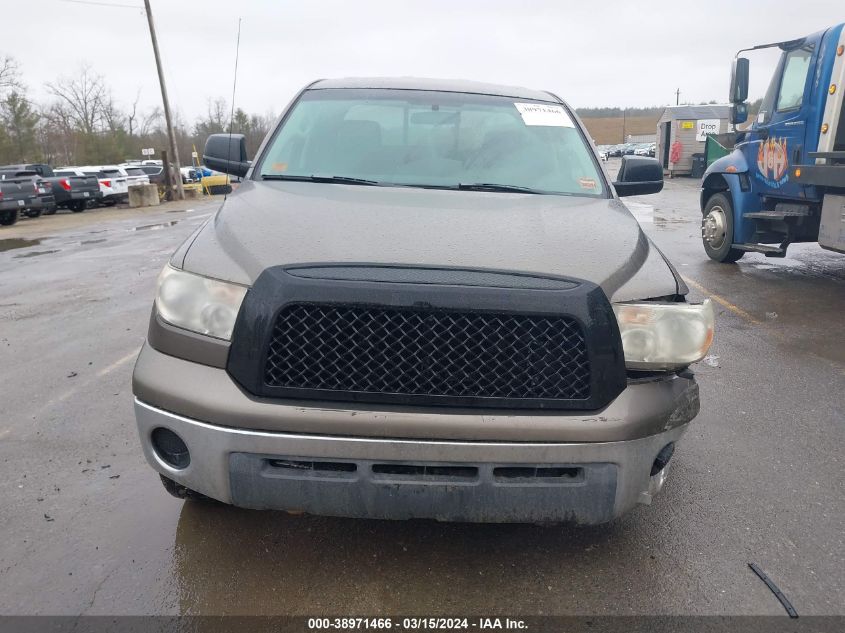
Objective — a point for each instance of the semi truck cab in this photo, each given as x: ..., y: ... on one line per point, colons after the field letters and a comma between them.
x: 784, y: 181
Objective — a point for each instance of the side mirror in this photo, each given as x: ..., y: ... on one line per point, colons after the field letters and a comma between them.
x: 739, y: 80
x: 226, y: 153
x: 739, y: 113
x: 638, y: 176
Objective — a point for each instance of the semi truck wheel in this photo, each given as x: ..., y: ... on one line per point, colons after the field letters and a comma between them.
x: 717, y: 229
x: 8, y: 218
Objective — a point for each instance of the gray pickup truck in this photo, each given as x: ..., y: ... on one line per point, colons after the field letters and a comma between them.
x: 70, y: 191
x: 425, y: 299
x: 16, y: 196
x: 41, y: 198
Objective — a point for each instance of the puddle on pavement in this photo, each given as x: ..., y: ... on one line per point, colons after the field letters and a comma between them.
x: 646, y: 214
x: 34, y: 254
x: 182, y: 211
x: 660, y: 220
x: 11, y: 243
x: 154, y: 227
x: 83, y: 242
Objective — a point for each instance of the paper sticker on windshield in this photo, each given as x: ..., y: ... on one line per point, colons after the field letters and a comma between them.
x: 544, y: 114
x: 587, y: 183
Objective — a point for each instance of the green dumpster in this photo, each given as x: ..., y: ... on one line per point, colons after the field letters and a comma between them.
x: 718, y: 145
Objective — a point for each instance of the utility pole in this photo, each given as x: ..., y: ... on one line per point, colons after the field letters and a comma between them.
x: 624, y: 111
x: 171, y: 135
x: 678, y: 97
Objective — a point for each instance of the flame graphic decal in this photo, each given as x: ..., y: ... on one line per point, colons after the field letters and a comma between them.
x: 772, y: 158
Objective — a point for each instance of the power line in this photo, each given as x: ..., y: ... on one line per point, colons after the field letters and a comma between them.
x: 105, y: 4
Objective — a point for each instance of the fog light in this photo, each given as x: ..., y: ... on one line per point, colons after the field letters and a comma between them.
x: 170, y: 448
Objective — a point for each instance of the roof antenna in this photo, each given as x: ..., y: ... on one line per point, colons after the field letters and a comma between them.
x: 232, y: 115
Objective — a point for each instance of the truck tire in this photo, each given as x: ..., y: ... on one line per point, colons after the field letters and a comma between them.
x: 181, y: 492
x: 77, y: 206
x: 717, y: 229
x: 34, y: 213
x: 8, y: 218
x: 51, y: 210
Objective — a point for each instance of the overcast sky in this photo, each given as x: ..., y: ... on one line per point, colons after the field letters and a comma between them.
x: 593, y: 53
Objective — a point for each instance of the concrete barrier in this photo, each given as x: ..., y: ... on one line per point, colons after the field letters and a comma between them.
x: 143, y: 196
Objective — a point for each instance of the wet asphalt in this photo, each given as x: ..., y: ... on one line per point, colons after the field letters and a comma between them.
x: 86, y: 528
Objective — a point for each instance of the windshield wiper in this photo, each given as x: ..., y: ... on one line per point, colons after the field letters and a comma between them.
x: 487, y: 186
x: 343, y: 180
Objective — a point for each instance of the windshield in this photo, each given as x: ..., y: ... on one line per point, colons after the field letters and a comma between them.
x: 433, y: 139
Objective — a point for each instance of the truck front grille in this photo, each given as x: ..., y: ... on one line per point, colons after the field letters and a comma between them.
x: 418, y: 352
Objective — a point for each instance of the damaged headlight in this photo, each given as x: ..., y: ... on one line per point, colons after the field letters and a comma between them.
x: 197, y: 303
x: 664, y: 335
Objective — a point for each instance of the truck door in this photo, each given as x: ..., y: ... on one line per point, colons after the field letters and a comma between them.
x: 780, y: 129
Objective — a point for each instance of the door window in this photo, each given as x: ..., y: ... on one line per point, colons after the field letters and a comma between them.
x: 795, y: 71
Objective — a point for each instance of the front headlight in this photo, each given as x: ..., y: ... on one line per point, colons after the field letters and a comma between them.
x: 664, y: 335
x: 197, y: 303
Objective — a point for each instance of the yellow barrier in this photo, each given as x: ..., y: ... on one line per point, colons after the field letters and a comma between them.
x: 217, y: 184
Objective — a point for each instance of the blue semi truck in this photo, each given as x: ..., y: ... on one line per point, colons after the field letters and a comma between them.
x: 784, y: 181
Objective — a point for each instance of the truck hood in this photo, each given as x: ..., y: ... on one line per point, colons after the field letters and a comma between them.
x: 274, y: 223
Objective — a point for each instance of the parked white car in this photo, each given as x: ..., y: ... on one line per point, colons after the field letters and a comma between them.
x: 646, y: 149
x: 135, y: 174
x: 114, y: 185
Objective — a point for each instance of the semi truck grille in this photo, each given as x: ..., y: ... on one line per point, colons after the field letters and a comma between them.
x: 404, y: 351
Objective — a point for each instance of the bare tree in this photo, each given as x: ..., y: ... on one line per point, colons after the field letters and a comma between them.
x: 216, y: 120
x: 112, y: 117
x: 152, y: 123
x: 133, y: 113
x: 57, y: 134
x: 9, y: 73
x: 84, y: 98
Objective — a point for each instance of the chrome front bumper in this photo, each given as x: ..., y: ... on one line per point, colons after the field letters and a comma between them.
x: 591, y: 482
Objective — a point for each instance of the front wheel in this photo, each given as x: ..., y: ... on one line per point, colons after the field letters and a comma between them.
x: 717, y: 229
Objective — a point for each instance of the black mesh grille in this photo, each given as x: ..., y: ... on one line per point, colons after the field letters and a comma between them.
x: 428, y: 353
